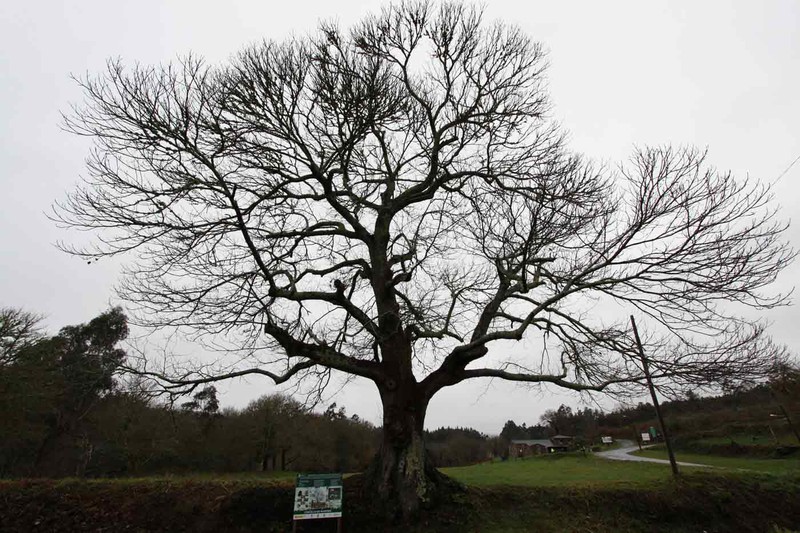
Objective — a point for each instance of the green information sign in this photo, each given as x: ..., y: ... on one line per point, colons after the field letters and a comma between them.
x: 318, y: 496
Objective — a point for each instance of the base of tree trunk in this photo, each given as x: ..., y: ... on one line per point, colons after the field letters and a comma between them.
x: 402, y: 482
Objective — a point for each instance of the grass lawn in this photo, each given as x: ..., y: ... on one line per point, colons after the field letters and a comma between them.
x: 750, y: 440
x: 564, y: 493
x: 572, y: 492
x: 771, y: 466
x: 559, y: 470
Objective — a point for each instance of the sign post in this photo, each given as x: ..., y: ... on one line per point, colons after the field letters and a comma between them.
x: 318, y: 496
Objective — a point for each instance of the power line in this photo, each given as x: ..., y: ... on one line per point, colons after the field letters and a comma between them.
x: 787, y: 170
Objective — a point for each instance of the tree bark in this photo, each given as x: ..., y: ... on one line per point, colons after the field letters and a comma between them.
x: 401, y: 478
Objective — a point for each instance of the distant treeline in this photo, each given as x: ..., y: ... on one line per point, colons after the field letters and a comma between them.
x: 759, y: 410
x: 459, y: 446
x: 124, y: 434
x: 768, y: 410
x: 63, y: 412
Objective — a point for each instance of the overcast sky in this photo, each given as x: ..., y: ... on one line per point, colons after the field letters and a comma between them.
x: 722, y: 75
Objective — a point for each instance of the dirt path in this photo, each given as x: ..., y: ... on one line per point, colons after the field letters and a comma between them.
x: 623, y: 454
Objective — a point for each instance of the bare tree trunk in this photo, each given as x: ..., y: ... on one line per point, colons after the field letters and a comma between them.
x: 87, y: 450
x: 401, y: 475
x: 42, y: 465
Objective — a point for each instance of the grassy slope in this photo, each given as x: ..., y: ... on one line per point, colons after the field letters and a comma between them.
x: 776, y: 466
x: 560, y: 470
x: 750, y: 440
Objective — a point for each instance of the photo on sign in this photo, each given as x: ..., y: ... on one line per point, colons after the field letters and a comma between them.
x: 318, y: 496
x: 312, y: 498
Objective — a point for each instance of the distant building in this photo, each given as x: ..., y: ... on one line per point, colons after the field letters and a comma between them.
x: 562, y: 442
x: 526, y: 448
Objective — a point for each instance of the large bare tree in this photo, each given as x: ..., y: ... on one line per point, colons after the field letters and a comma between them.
x: 393, y: 202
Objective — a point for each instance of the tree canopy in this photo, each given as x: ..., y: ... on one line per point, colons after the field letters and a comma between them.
x: 48, y: 385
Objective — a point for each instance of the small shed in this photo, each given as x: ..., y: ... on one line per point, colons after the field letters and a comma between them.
x: 562, y: 443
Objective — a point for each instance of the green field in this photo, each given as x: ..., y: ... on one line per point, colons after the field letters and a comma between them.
x: 559, y: 471
x: 751, y: 440
x: 573, y: 492
x: 774, y: 466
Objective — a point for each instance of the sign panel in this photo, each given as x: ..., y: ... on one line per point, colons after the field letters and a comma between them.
x: 318, y: 496
x: 607, y: 440
x: 645, y: 437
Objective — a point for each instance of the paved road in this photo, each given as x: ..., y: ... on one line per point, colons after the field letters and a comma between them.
x: 627, y: 446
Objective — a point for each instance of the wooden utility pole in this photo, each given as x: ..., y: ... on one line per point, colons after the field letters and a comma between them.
x: 636, y: 436
x: 789, y: 421
x: 646, y: 369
